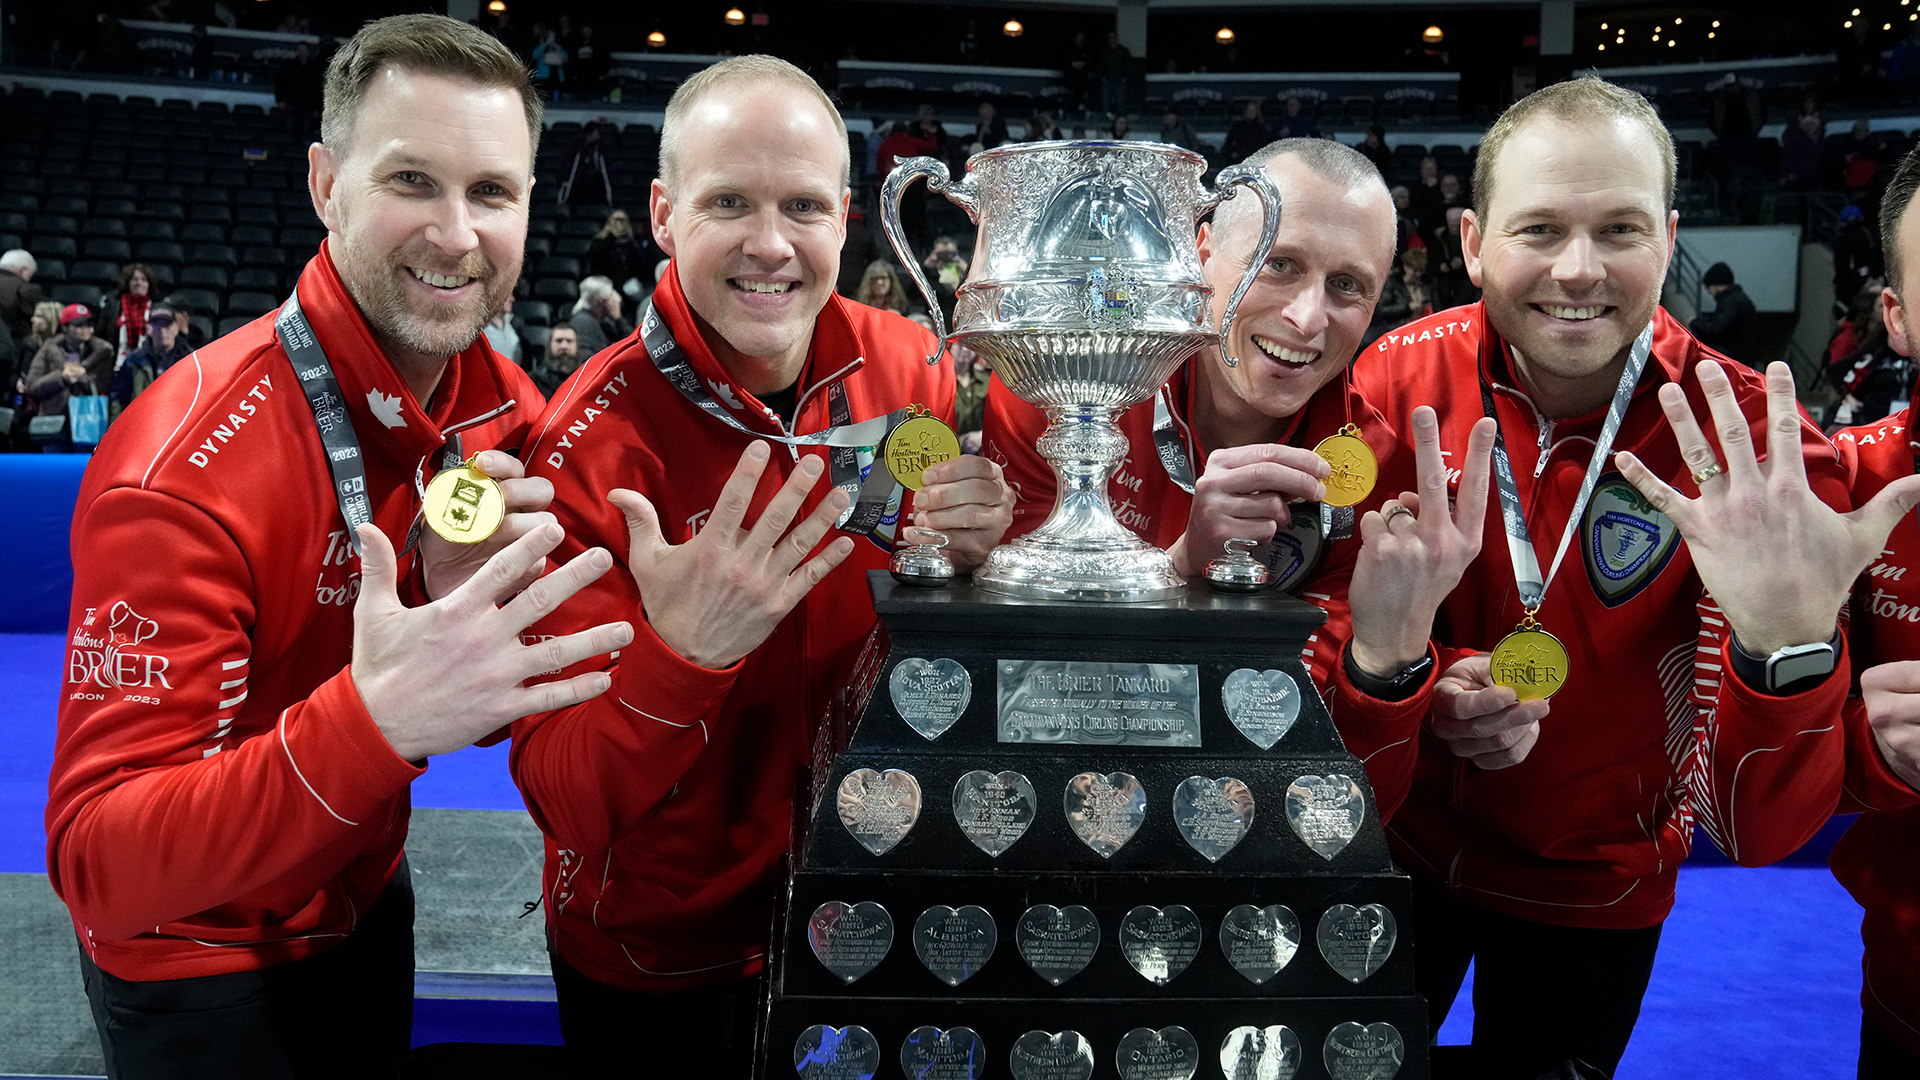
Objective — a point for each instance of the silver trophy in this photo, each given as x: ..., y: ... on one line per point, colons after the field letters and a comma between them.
x: 1085, y: 294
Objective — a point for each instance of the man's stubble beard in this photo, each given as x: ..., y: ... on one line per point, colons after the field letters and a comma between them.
x: 379, y: 294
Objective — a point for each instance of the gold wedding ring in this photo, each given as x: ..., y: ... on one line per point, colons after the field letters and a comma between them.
x: 1708, y: 473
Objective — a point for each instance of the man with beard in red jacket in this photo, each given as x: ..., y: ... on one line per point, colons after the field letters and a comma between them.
x: 695, y: 449
x: 1860, y: 750
x: 1544, y: 837
x: 255, y: 678
x: 1254, y: 426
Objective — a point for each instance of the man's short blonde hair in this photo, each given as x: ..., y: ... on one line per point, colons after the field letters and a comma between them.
x: 428, y: 45
x: 739, y: 70
x: 1577, y: 99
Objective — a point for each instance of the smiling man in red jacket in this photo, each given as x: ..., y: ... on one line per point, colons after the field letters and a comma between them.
x: 1227, y: 451
x: 247, y: 698
x: 694, y: 450
x: 1544, y: 837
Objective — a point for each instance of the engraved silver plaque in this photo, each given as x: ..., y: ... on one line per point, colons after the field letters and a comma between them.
x: 994, y: 809
x: 1160, y: 942
x: 1095, y: 703
x: 1262, y: 704
x: 1363, y: 1052
x: 1057, y: 943
x: 1253, y: 1053
x: 1259, y: 942
x: 1213, y: 815
x: 930, y: 694
x: 1326, y: 811
x: 850, y: 939
x: 879, y: 808
x: 1168, y: 1054
x: 954, y: 943
x: 1357, y: 940
x: 823, y: 1052
x: 954, y: 1054
x: 1042, y: 1055
x: 1105, y: 811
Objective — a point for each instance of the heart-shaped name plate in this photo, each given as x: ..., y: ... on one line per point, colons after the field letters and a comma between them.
x: 1213, y: 815
x: 850, y: 939
x: 1105, y: 811
x: 1057, y: 943
x: 1042, y: 1055
x: 1326, y: 811
x: 954, y: 943
x: 954, y: 1054
x: 994, y: 809
x: 1357, y: 940
x: 1259, y: 942
x: 1252, y: 1053
x: 1262, y: 704
x: 1168, y: 1054
x: 1160, y: 942
x: 930, y: 695
x: 1363, y: 1052
x: 830, y: 1053
x: 879, y: 808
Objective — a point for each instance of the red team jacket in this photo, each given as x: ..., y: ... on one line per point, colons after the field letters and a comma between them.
x: 1146, y: 500
x: 1874, y: 860
x: 1590, y: 829
x: 666, y: 801
x: 220, y: 799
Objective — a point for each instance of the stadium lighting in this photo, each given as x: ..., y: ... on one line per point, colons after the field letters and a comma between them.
x: 657, y: 39
x: 736, y: 17
x: 1433, y: 35
x: 497, y: 6
x: 1013, y: 28
x: 1223, y: 36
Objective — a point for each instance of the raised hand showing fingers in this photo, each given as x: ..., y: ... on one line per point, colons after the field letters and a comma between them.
x: 716, y: 597
x: 406, y: 661
x: 1777, y: 560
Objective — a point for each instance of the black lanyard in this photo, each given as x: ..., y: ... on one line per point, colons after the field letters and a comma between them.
x: 875, y: 496
x: 337, y: 439
x: 1526, y: 564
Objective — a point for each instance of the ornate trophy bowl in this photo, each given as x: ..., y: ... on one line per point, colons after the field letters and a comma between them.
x: 1085, y: 294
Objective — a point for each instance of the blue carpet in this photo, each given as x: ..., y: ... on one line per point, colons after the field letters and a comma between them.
x: 457, y: 1020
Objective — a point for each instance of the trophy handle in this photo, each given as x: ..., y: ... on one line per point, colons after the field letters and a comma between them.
x: 1258, y: 180
x: 938, y: 179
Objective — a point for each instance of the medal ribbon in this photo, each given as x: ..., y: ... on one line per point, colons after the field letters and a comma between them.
x: 872, y: 492
x: 1526, y: 564
x: 337, y: 438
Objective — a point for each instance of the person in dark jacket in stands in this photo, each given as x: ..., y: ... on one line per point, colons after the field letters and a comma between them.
x: 563, y: 355
x: 1175, y: 131
x: 596, y: 316
x: 159, y: 350
x: 1247, y: 134
x: 586, y: 179
x: 18, y: 293
x: 620, y: 255
x: 1733, y: 327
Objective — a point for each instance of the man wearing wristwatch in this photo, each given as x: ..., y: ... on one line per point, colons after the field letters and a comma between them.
x: 1227, y: 451
x: 1861, y: 749
x: 1543, y: 837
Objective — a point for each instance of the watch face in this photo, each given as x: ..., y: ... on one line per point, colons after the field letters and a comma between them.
x: 1796, y: 662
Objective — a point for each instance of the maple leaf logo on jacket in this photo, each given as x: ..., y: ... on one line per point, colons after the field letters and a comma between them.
x: 385, y: 409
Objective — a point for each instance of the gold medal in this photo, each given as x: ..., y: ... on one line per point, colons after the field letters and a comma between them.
x: 464, y: 505
x: 1355, y: 469
x: 917, y: 444
x: 1531, y: 661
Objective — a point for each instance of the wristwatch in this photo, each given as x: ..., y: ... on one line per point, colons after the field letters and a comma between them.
x: 1790, y: 670
x: 1398, y: 686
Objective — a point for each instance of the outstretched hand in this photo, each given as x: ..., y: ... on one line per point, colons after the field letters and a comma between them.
x: 436, y: 678
x: 1777, y: 560
x: 715, y: 598
x: 1414, y: 549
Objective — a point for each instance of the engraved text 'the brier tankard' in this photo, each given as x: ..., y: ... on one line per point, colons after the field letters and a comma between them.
x: 1085, y: 294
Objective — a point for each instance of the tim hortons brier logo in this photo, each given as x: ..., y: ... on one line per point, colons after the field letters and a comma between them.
x: 1626, y: 541
x: 111, y: 657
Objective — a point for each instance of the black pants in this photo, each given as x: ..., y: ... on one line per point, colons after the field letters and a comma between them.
x: 1542, y: 995
x: 1883, y: 1059
x: 613, y: 1032
x: 347, y: 1012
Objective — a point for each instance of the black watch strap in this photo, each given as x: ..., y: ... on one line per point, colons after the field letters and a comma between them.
x: 1793, y: 670
x: 1398, y: 686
